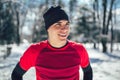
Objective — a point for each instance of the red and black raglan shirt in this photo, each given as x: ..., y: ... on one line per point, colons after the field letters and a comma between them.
x: 55, y: 63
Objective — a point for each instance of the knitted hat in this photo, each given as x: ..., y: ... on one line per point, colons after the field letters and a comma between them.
x: 53, y: 15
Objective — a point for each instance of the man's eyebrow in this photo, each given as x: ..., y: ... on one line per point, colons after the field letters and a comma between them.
x: 61, y: 22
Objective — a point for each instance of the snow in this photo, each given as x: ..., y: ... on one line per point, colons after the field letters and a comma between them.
x: 106, y: 66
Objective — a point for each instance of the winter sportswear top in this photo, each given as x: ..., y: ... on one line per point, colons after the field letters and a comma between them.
x: 55, y: 63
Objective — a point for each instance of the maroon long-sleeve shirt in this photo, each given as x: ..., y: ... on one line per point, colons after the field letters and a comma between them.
x: 55, y: 63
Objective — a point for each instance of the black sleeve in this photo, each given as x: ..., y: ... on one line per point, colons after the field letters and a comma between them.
x: 17, y: 73
x: 88, y: 73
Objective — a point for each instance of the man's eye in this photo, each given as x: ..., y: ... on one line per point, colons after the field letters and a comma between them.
x: 58, y: 25
x: 67, y: 24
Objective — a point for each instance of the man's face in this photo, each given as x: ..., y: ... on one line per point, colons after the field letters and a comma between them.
x: 59, y: 30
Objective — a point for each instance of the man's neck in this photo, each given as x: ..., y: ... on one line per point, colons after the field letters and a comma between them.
x: 57, y: 44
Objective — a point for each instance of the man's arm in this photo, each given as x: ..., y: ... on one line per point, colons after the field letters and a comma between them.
x: 88, y: 74
x: 17, y: 73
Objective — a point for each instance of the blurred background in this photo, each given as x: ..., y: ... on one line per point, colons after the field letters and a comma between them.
x: 95, y: 23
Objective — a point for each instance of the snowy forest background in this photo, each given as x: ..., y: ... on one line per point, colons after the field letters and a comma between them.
x: 95, y: 23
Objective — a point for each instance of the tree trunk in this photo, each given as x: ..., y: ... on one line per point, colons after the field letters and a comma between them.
x: 18, y: 24
x: 111, y: 49
x: 94, y: 18
x: 110, y: 15
x: 104, y: 41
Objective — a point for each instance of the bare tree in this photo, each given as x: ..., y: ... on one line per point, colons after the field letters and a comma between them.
x: 106, y: 22
x: 104, y: 41
x: 72, y: 8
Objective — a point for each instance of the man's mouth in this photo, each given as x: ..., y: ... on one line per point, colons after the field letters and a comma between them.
x: 62, y: 35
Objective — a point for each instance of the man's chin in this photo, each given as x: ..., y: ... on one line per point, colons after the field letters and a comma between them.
x: 63, y: 39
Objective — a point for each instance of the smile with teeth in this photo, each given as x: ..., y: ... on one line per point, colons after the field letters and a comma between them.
x: 62, y: 35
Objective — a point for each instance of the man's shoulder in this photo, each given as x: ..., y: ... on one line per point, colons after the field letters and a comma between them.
x: 40, y: 44
x: 75, y: 44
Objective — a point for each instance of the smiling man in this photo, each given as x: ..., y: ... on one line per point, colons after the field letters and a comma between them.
x: 56, y: 58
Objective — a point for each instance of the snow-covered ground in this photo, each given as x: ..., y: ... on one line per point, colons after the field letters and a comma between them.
x: 105, y: 66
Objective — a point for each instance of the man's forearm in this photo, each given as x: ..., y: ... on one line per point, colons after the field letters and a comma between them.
x: 88, y: 73
x: 17, y: 73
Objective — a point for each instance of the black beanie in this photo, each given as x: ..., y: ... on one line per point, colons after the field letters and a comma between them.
x: 53, y: 15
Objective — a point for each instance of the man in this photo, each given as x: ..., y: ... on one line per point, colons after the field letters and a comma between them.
x: 56, y: 58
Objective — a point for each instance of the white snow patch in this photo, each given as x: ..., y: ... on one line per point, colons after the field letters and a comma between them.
x: 106, y: 66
